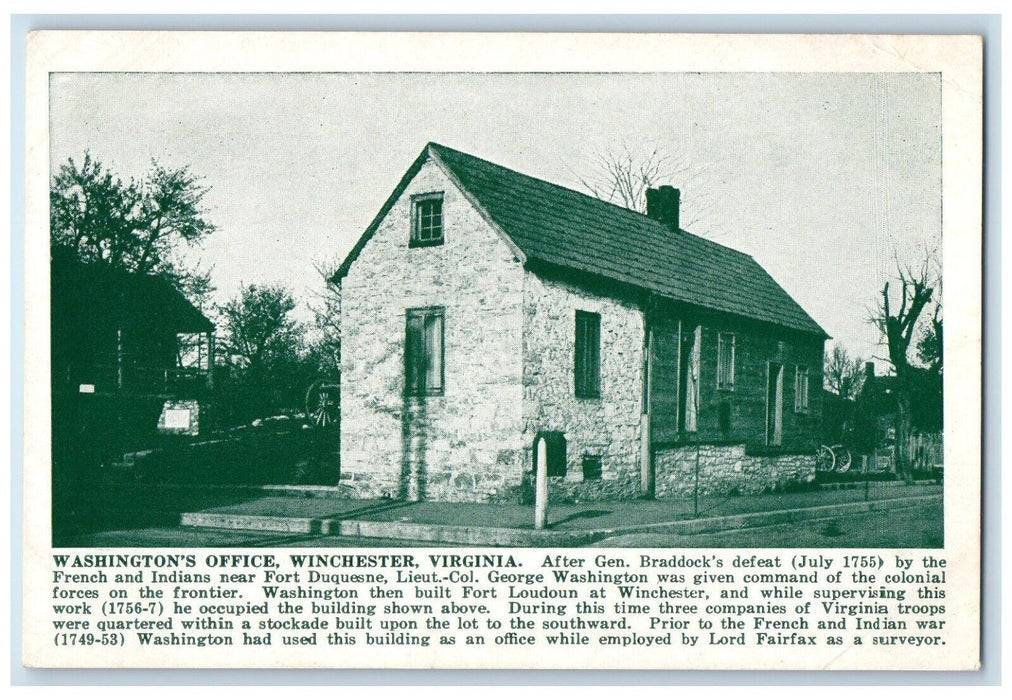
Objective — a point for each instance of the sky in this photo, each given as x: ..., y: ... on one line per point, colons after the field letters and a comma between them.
x: 826, y: 179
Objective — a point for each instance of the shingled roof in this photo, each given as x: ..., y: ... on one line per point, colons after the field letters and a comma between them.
x: 557, y: 226
x: 114, y: 296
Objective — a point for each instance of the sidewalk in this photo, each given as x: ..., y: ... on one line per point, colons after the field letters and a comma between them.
x: 292, y: 511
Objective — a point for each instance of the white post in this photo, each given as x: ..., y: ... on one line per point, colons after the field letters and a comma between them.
x: 541, y: 487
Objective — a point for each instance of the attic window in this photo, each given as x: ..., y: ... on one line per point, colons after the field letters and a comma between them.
x: 426, y: 220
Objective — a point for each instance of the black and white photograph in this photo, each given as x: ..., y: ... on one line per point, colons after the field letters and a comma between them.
x: 497, y: 309
x: 503, y: 351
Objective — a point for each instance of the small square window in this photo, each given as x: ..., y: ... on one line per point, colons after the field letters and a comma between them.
x: 591, y: 467
x: 426, y: 220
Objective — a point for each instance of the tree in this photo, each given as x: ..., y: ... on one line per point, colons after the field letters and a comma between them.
x: 263, y: 345
x: 901, y: 305
x: 260, y: 333
x: 843, y: 375
x: 140, y: 227
x: 324, y: 351
x: 623, y: 174
x: 929, y: 347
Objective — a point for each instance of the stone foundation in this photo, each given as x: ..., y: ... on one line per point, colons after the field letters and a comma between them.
x: 566, y: 490
x: 727, y: 469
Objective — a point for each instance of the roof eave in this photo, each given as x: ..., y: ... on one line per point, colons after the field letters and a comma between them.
x: 478, y: 206
x: 370, y: 230
x: 550, y: 268
x: 430, y: 151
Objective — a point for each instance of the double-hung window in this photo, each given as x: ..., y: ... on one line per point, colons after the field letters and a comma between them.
x: 423, y: 352
x: 426, y: 220
x: 587, y: 365
x: 725, y: 361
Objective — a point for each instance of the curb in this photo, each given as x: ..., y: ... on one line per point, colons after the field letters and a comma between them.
x: 515, y: 537
x: 776, y: 517
x: 846, y: 485
x: 264, y: 523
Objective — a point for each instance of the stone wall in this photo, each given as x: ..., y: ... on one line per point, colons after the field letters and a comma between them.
x: 609, y: 426
x: 563, y: 490
x: 464, y: 445
x: 728, y: 469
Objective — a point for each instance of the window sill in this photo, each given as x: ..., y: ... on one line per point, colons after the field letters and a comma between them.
x: 424, y: 244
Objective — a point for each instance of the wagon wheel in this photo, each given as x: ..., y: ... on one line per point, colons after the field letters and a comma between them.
x: 323, y: 405
x: 843, y: 459
x: 825, y: 460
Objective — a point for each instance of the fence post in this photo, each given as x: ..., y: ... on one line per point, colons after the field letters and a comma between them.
x: 541, y: 486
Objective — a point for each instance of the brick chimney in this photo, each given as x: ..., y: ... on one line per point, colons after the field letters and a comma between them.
x: 663, y: 204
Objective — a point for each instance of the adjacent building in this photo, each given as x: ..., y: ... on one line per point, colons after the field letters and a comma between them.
x: 483, y: 309
x: 130, y: 359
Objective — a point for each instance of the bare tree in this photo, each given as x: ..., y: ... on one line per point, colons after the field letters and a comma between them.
x: 902, y: 302
x: 622, y: 175
x: 843, y: 374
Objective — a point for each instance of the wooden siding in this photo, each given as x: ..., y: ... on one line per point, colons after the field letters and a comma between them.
x: 664, y: 410
x: 744, y: 407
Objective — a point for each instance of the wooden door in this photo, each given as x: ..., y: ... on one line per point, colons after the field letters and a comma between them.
x: 775, y: 404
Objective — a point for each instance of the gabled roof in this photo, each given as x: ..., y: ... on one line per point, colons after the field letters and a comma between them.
x: 558, y: 226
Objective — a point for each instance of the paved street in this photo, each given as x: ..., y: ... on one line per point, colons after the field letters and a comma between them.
x: 902, y: 516
x: 911, y: 527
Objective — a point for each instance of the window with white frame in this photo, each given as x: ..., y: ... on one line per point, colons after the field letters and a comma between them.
x: 427, y: 220
x: 725, y: 361
x: 801, y: 389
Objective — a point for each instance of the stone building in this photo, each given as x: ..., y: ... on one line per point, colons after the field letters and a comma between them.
x: 483, y: 309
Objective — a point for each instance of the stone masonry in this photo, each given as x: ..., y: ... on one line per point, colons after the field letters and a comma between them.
x: 462, y: 446
x: 607, y: 427
x: 509, y: 344
x: 727, y: 469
